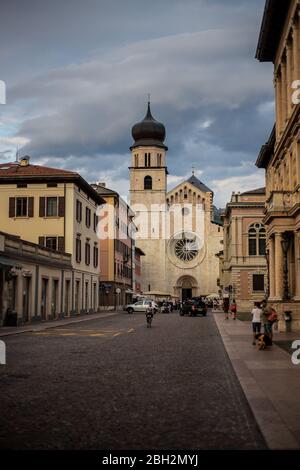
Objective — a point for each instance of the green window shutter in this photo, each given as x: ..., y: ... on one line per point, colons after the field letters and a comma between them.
x: 42, y: 206
x: 61, y: 206
x: 30, y: 207
x: 12, y: 207
x: 61, y: 244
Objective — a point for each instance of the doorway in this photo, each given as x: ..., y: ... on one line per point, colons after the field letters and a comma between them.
x: 187, y: 293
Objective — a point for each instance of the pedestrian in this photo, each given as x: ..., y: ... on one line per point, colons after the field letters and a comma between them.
x: 256, y: 320
x: 226, y: 307
x: 233, y: 309
x: 269, y: 316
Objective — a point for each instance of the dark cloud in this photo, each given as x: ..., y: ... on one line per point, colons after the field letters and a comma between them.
x: 84, y: 70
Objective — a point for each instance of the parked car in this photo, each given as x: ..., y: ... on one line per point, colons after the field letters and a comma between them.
x: 140, y: 306
x: 193, y: 308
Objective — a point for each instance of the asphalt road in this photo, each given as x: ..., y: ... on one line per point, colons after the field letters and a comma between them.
x: 114, y: 384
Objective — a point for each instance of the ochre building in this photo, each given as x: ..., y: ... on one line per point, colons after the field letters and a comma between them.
x: 279, y: 43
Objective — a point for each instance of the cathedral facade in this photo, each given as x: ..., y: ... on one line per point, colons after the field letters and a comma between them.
x: 178, y: 230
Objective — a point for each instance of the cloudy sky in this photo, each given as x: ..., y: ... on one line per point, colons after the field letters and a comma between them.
x: 78, y: 73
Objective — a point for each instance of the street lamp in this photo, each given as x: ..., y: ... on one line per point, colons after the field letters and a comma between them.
x: 285, y: 243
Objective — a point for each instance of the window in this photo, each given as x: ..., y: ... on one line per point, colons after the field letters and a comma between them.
x: 147, y: 182
x: 51, y: 207
x: 257, y: 240
x: 147, y: 159
x: 87, y: 253
x: 258, y: 283
x: 51, y: 185
x: 95, y: 222
x: 87, y: 217
x: 96, y: 255
x: 159, y: 159
x: 21, y: 185
x: 51, y: 242
x: 78, y: 211
x: 21, y: 207
x: 136, y: 160
x: 78, y: 250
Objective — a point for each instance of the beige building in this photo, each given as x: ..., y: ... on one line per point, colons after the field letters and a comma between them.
x: 116, y: 249
x: 279, y: 43
x: 243, y: 266
x: 35, y: 282
x: 177, y: 230
x: 56, y: 209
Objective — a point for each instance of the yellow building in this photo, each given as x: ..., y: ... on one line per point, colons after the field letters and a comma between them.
x: 279, y: 43
x: 243, y: 266
x: 56, y: 209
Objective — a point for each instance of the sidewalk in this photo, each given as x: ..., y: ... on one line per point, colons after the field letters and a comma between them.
x: 270, y: 381
x: 16, y: 330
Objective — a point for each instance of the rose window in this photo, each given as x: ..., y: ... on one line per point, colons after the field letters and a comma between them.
x: 186, y: 249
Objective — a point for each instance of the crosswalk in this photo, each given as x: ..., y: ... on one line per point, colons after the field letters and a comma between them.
x: 90, y: 333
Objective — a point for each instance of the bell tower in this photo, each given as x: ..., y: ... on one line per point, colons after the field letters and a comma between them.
x: 148, y: 187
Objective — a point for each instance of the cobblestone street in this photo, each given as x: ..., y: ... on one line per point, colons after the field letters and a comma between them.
x: 112, y: 383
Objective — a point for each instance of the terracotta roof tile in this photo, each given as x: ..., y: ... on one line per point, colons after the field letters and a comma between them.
x: 14, y: 169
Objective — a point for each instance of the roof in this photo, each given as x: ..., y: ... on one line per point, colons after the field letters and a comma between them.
x: 103, y: 191
x: 16, y: 173
x: 275, y: 14
x: 139, y: 251
x: 255, y: 191
x: 148, y: 132
x: 196, y: 182
x: 266, y: 151
x: 15, y: 169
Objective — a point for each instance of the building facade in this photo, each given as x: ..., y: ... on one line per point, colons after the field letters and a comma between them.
x: 243, y: 263
x: 116, y: 249
x: 35, y: 282
x: 279, y: 43
x: 177, y: 230
x: 55, y: 209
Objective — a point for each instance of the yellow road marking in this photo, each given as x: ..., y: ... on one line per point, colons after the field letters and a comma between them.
x: 37, y: 333
x: 117, y: 334
x: 68, y: 334
x: 97, y: 334
x: 130, y: 331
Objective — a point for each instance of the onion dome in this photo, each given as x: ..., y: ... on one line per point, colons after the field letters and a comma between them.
x: 149, y: 132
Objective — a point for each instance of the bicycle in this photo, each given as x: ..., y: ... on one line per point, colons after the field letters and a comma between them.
x: 149, y: 318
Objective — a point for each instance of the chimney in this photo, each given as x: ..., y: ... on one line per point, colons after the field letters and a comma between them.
x: 24, y: 161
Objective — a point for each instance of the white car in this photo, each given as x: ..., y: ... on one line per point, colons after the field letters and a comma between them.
x: 140, y: 306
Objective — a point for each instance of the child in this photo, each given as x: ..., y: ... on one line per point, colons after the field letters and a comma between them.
x: 256, y: 321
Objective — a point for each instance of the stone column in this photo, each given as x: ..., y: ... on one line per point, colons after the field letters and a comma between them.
x: 272, y: 292
x: 283, y: 92
x: 297, y: 266
x: 289, y: 76
x: 278, y: 267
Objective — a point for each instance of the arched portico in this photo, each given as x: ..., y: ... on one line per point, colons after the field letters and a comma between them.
x: 186, y: 287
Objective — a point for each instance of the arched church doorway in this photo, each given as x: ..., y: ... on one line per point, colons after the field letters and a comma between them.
x: 186, y: 287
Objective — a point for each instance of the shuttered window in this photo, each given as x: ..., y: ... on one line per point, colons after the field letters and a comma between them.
x: 21, y: 207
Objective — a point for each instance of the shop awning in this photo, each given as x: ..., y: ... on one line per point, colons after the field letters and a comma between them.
x: 8, y: 262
